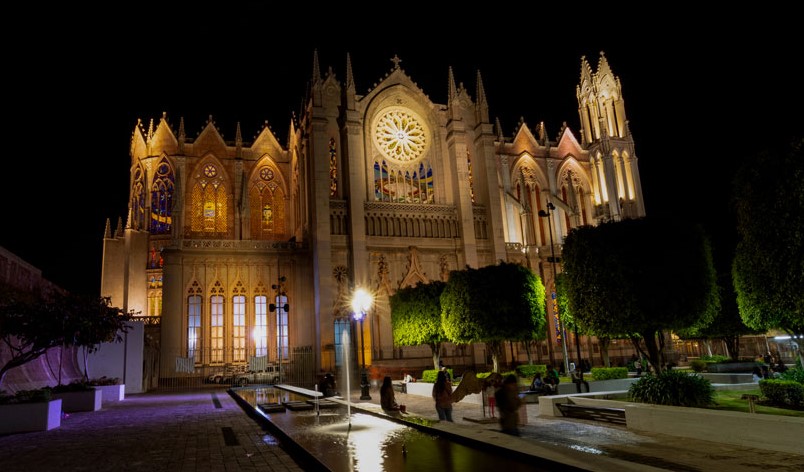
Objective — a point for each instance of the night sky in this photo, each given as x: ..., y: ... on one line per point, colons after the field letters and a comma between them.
x: 701, y: 92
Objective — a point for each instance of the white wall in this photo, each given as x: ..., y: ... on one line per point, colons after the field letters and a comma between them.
x: 122, y: 360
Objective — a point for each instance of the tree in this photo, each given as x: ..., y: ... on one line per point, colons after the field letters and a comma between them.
x: 416, y: 317
x: 498, y: 303
x: 604, y: 339
x: 31, y: 324
x: 643, y: 277
x: 727, y: 325
x: 768, y: 268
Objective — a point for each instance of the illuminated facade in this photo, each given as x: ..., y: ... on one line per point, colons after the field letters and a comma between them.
x: 380, y: 190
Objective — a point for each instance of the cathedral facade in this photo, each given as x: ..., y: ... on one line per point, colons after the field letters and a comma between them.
x: 252, y: 250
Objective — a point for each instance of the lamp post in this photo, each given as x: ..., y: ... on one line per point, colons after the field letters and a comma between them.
x: 361, y: 303
x: 548, y: 214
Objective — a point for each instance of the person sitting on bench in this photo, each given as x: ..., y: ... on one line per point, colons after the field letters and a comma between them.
x: 539, y: 386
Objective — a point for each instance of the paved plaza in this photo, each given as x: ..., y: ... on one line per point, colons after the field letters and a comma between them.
x: 207, y: 430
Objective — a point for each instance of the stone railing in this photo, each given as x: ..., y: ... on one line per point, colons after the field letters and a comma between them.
x: 411, y: 220
x: 242, y: 245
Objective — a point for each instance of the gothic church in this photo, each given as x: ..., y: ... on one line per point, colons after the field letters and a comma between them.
x: 251, y: 250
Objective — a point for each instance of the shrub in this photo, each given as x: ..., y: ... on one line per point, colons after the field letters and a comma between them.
x: 698, y: 365
x: 530, y: 370
x: 41, y: 395
x: 104, y: 381
x: 431, y: 375
x: 607, y: 373
x: 673, y: 388
x: 795, y: 374
x: 75, y: 386
x: 483, y: 375
x: 715, y: 359
x: 782, y: 392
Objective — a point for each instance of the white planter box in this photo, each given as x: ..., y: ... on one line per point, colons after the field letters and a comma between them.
x: 88, y: 400
x: 27, y: 417
x: 112, y: 393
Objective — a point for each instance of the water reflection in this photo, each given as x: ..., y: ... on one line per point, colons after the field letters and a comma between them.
x: 374, y: 444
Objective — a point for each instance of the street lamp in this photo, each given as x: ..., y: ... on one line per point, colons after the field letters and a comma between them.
x: 547, y: 214
x: 361, y: 302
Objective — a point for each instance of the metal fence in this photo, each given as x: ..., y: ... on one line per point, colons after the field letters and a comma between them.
x: 176, y: 371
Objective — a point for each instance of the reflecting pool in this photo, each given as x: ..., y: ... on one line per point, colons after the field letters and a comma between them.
x: 370, y: 443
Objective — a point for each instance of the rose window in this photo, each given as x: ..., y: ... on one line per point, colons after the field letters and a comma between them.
x: 400, y: 136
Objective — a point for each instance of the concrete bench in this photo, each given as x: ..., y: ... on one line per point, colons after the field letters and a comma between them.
x: 612, y: 415
x: 399, y: 386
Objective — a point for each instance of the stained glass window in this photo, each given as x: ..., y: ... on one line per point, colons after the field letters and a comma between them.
x: 392, y: 185
x: 333, y: 169
x: 209, y: 209
x: 162, y: 199
x: 267, y: 203
x: 400, y: 135
x: 471, y: 177
x: 138, y: 200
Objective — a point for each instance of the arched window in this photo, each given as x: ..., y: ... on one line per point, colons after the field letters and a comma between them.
x: 194, y: 326
x: 239, y: 324
x: 393, y: 184
x: 155, y: 295
x: 138, y: 200
x: 260, y: 326
x: 267, y: 202
x: 209, y: 209
x: 162, y: 199
x: 341, y: 325
x: 333, y: 169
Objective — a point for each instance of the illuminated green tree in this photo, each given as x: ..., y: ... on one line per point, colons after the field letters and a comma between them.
x: 494, y: 304
x: 768, y: 269
x: 416, y: 317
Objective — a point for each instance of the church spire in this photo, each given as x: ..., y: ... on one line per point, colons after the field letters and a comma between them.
x: 500, y: 136
x: 119, y: 231
x: 107, y: 233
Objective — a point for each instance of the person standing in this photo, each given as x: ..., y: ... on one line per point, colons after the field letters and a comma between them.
x: 508, y: 403
x: 442, y: 394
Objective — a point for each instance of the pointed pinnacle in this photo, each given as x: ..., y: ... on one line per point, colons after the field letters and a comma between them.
x: 107, y: 233
x: 481, y: 91
x: 119, y: 231
x: 452, y: 91
x: 316, y: 67
x: 350, y: 78
x: 500, y: 137
x: 238, y: 136
x: 182, y: 134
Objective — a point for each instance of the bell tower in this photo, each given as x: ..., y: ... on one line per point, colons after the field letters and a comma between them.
x: 607, y: 136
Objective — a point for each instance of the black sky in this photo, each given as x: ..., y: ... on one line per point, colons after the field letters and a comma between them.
x: 702, y: 92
